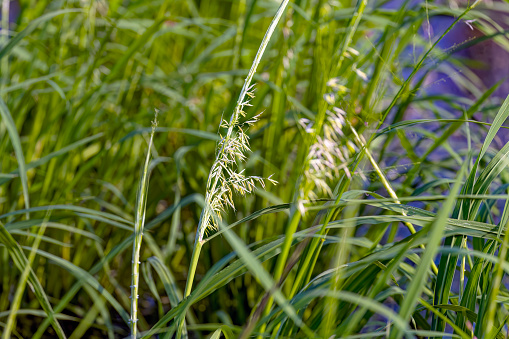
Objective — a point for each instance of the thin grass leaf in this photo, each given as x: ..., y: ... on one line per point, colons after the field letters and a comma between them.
x: 436, y: 230
x: 21, y: 262
x: 18, y: 150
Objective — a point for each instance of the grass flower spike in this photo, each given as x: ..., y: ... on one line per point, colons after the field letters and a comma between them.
x: 225, y: 176
x: 327, y: 157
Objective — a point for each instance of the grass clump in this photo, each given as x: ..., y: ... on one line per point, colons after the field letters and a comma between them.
x: 386, y: 135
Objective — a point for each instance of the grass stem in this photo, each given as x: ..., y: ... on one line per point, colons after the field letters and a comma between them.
x: 138, y: 236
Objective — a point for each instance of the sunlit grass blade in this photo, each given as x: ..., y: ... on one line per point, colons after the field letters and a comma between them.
x: 16, y: 301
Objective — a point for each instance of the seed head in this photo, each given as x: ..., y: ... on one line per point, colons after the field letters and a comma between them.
x: 327, y: 157
x: 226, y: 177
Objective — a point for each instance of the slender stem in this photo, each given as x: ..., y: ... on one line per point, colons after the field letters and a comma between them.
x: 462, y: 270
x: 138, y: 232
x: 387, y: 186
x: 190, y: 278
x: 309, y: 260
x: 192, y: 267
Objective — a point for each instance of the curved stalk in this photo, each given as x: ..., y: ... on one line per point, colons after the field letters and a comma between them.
x: 138, y: 235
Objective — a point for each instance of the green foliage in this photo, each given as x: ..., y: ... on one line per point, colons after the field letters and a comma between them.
x: 381, y: 224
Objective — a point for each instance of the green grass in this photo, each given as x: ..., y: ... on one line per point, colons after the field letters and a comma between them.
x: 380, y: 225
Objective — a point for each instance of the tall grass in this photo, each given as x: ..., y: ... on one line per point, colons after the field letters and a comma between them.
x: 388, y: 144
